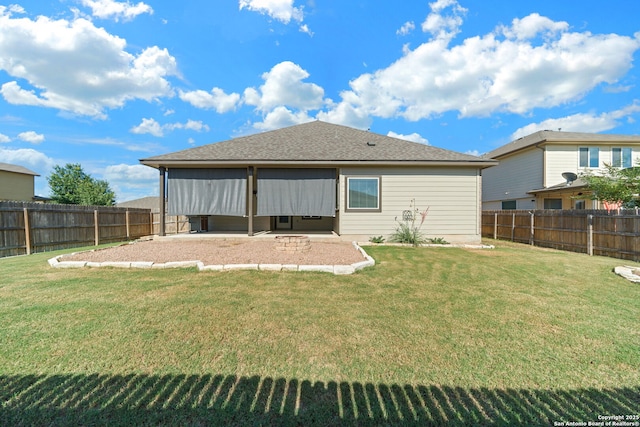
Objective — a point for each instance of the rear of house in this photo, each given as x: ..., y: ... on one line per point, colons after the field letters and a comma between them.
x: 320, y: 177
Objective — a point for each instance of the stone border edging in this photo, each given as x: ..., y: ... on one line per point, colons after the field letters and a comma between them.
x: 627, y: 273
x: 335, y: 269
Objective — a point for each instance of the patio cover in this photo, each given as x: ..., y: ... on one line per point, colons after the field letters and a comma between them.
x: 303, y: 192
x: 207, y: 192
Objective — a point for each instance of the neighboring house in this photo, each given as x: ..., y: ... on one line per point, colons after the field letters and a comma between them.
x: 151, y: 202
x: 323, y: 177
x: 542, y: 170
x: 17, y: 183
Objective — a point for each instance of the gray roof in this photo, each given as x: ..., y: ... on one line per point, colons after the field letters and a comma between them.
x: 151, y: 202
x: 314, y: 143
x: 546, y: 136
x: 578, y: 184
x: 7, y: 167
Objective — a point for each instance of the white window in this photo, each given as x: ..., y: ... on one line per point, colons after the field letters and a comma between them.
x: 621, y: 157
x: 589, y: 157
x: 363, y: 193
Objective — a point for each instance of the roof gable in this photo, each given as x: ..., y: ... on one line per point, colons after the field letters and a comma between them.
x: 313, y: 142
x: 7, y: 167
x: 549, y: 136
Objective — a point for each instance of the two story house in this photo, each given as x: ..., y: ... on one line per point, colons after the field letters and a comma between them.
x: 17, y: 183
x: 542, y: 170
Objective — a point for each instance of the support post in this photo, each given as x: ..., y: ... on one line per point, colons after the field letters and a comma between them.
x: 27, y: 231
x: 590, y: 235
x: 495, y: 225
x: 161, y: 230
x: 250, y: 199
x: 513, y: 227
x: 96, y: 227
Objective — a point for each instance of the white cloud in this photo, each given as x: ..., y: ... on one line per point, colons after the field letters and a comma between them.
x: 282, y: 10
x: 415, y: 137
x: 444, y: 26
x: 473, y: 153
x: 533, y: 63
x: 4, y: 138
x: 152, y: 127
x: 131, y: 181
x: 284, y: 86
x: 31, y: 136
x: 582, y: 122
x: 29, y: 158
x: 76, y: 67
x: 130, y: 173
x: 105, y: 9
x: 406, y: 28
x: 215, y: 99
x: 149, y: 126
x: 281, y: 117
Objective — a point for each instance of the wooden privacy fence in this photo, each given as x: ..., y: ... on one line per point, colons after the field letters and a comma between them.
x: 595, y: 232
x: 27, y: 228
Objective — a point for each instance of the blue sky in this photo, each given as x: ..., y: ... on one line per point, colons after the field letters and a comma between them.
x: 105, y: 83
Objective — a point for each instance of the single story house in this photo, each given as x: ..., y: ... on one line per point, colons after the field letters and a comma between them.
x: 323, y: 177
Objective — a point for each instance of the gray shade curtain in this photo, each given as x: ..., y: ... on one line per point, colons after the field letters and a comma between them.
x: 304, y: 192
x: 207, y: 192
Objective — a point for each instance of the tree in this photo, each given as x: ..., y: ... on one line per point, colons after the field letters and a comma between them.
x: 71, y: 185
x: 615, y: 186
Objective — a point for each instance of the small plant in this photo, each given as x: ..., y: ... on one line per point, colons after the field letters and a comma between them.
x: 376, y: 239
x: 407, y: 231
x: 438, y: 241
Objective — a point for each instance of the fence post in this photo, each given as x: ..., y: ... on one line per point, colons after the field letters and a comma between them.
x: 513, y: 227
x: 126, y: 220
x: 27, y: 231
x: 495, y: 225
x: 590, y: 235
x: 96, y: 227
x: 532, y: 229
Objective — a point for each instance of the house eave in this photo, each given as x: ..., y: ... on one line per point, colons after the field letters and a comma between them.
x: 481, y: 163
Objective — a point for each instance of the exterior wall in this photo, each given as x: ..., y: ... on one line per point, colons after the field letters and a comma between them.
x: 16, y: 186
x: 451, y: 194
x: 512, y: 179
x: 560, y: 159
x: 325, y: 223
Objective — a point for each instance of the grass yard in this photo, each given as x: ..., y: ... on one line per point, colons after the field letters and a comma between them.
x: 442, y: 336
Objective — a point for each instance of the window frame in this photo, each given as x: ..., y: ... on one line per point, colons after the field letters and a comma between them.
x: 515, y: 205
x: 590, y: 151
x: 624, y: 161
x: 378, y: 180
x: 549, y: 200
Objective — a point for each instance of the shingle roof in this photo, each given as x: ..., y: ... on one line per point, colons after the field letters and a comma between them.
x: 7, y: 167
x: 314, y: 142
x: 544, y: 136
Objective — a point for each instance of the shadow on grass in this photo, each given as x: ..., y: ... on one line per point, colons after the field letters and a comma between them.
x: 232, y: 400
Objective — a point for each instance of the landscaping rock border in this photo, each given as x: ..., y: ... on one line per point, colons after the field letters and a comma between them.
x: 627, y: 273
x: 335, y: 269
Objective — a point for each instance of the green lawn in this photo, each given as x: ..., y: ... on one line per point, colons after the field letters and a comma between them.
x: 513, y: 335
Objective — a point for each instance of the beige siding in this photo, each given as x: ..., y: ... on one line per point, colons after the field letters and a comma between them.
x: 16, y: 186
x: 513, y: 177
x: 451, y: 194
x: 560, y: 159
